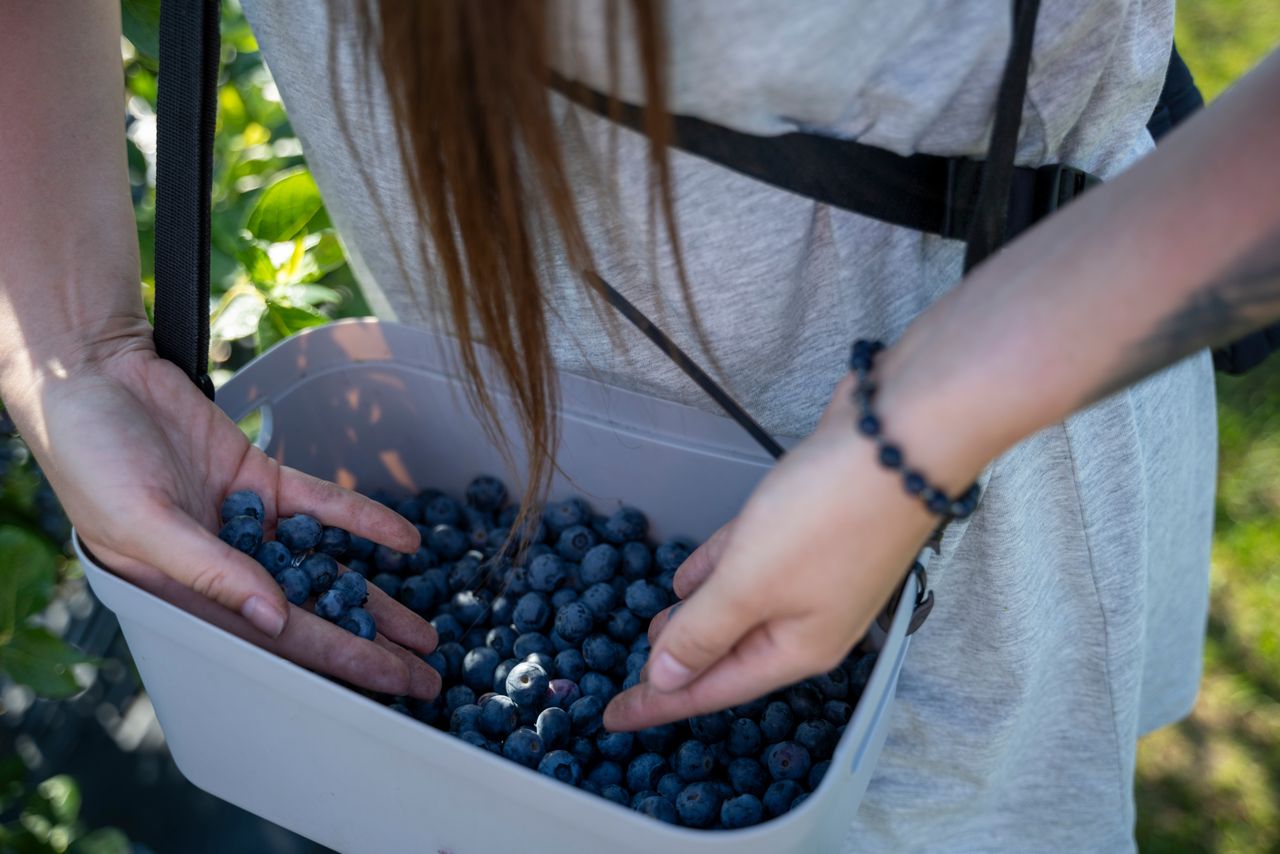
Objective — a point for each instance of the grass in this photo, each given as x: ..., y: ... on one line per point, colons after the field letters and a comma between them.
x: 1212, y: 782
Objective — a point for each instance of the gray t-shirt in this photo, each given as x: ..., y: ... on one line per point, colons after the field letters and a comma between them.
x: 1071, y: 607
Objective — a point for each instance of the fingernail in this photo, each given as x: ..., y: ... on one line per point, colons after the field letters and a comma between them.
x: 263, y: 616
x: 667, y: 674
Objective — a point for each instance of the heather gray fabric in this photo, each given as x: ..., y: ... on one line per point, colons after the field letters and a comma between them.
x: 1071, y: 608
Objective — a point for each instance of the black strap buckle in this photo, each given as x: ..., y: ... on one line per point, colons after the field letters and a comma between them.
x: 921, y: 608
x: 1056, y: 184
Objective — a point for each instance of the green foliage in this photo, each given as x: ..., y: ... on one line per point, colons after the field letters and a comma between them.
x: 49, y: 819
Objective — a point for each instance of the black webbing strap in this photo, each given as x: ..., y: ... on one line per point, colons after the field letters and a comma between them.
x: 987, y: 229
x: 186, y: 107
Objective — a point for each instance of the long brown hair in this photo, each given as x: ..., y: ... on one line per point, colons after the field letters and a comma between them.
x: 468, y: 82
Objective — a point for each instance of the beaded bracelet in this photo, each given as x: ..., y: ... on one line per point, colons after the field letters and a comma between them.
x: 861, y: 360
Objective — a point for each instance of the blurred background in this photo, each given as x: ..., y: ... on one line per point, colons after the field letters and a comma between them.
x: 83, y: 764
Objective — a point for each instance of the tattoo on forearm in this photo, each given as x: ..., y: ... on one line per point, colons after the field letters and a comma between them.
x: 1243, y: 299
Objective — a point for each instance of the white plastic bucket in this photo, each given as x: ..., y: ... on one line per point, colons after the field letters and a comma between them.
x: 374, y: 405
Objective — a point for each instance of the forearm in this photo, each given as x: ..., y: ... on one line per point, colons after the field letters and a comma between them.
x: 1179, y: 253
x: 68, y: 250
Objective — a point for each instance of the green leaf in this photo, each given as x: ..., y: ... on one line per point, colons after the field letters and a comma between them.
x: 280, y: 321
x: 28, y: 573
x: 232, y: 115
x: 13, y: 771
x: 104, y: 840
x: 57, y: 799
x: 238, y: 315
x: 285, y: 208
x: 140, y: 20
x: 42, y: 662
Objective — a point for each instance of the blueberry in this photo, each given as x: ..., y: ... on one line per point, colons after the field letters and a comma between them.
x: 744, y: 737
x: 860, y: 671
x: 741, y: 811
x: 531, y: 613
x: 360, y: 548
x: 274, y: 557
x: 476, y: 524
x: 636, y: 560
x: 360, y: 567
x: 646, y: 599
x: 516, y: 583
x: 458, y: 695
x: 630, y: 681
x: 563, y: 693
x: 599, y: 564
x: 787, y: 760
x: 670, y: 555
x: 606, y: 773
x: 530, y: 642
x: 693, y: 760
x: 833, y: 685
x: 242, y: 533
x: 242, y: 503
x: 804, y: 700
x: 387, y: 583
x: 817, y: 772
x: 352, y: 588
x: 334, y: 542
x: 779, y: 797
x: 502, y: 640
x: 800, y: 798
x: 747, y: 776
x: 553, y: 726
x: 636, y: 661
x: 467, y: 573
x: 439, y: 581
x: 698, y: 804
x: 565, y: 514
x: 470, y: 607
x: 409, y: 508
x: 836, y: 712
x: 299, y: 533
x: 570, y: 664
x: 597, y: 685
x: 498, y: 716
x: 546, y: 573
x: 417, y: 594
x: 563, y: 597
x: 645, y: 771
x: 600, y: 600
x: 711, y: 728
x: 390, y: 561
x: 500, y: 674
x: 778, y: 722
x: 626, y: 525
x: 816, y: 736
x: 667, y: 583
x: 657, y: 739
x: 573, y: 622
x: 618, y: 795
x: 500, y: 610
x: 670, y: 786
x: 420, y: 560
x: 359, y: 622
x: 752, y: 709
x: 331, y: 606
x: 624, y: 626
x: 437, y: 662
x: 478, y: 666
x: 447, y: 627
x: 614, y: 745
x: 536, y: 551
x: 453, y: 653
x: 543, y: 660
x: 442, y: 510
x: 561, y: 765
x: 524, y: 746
x: 583, y: 748
x: 574, y: 542
x: 474, y: 738
x: 465, y: 718
x: 586, y: 715
x: 321, y: 569
x: 296, y: 585
x: 656, y: 806
x: 448, y: 542
x: 507, y: 515
x: 641, y: 644
x: 527, y: 685
x: 486, y: 493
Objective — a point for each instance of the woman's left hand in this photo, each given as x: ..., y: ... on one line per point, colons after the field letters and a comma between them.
x: 786, y: 589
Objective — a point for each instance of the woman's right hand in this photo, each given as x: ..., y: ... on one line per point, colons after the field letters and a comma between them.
x: 141, y: 461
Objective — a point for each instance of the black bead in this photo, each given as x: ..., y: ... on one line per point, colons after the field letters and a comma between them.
x: 936, y: 501
x: 960, y: 509
x: 913, y: 481
x: 861, y: 347
x: 876, y: 347
x: 869, y: 425
x: 866, y: 388
x: 891, y: 456
x: 860, y: 362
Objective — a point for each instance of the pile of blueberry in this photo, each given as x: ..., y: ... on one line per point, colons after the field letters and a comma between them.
x: 303, y: 559
x: 539, y: 631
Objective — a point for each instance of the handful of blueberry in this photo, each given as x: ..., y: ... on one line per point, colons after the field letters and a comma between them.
x: 538, y: 632
x: 303, y: 559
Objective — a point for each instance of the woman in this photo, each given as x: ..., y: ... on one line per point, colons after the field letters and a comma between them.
x: 1070, y: 607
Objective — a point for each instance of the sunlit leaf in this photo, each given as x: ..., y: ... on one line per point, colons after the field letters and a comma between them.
x: 231, y: 110
x: 35, y: 658
x: 140, y: 21
x: 57, y: 798
x: 238, y: 315
x: 28, y: 572
x: 104, y: 840
x: 285, y: 207
x: 280, y: 321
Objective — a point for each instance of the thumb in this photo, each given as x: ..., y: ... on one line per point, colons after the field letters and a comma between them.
x: 704, y: 629
x: 183, y: 550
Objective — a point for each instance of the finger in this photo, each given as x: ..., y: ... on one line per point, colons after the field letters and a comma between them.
x: 342, y: 508
x: 180, y: 548
x: 659, y: 621
x: 702, y: 632
x: 399, y: 624
x: 424, y: 682
x: 757, y: 665
x: 698, y: 566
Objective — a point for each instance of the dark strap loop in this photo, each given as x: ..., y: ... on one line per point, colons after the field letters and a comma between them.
x: 186, y: 109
